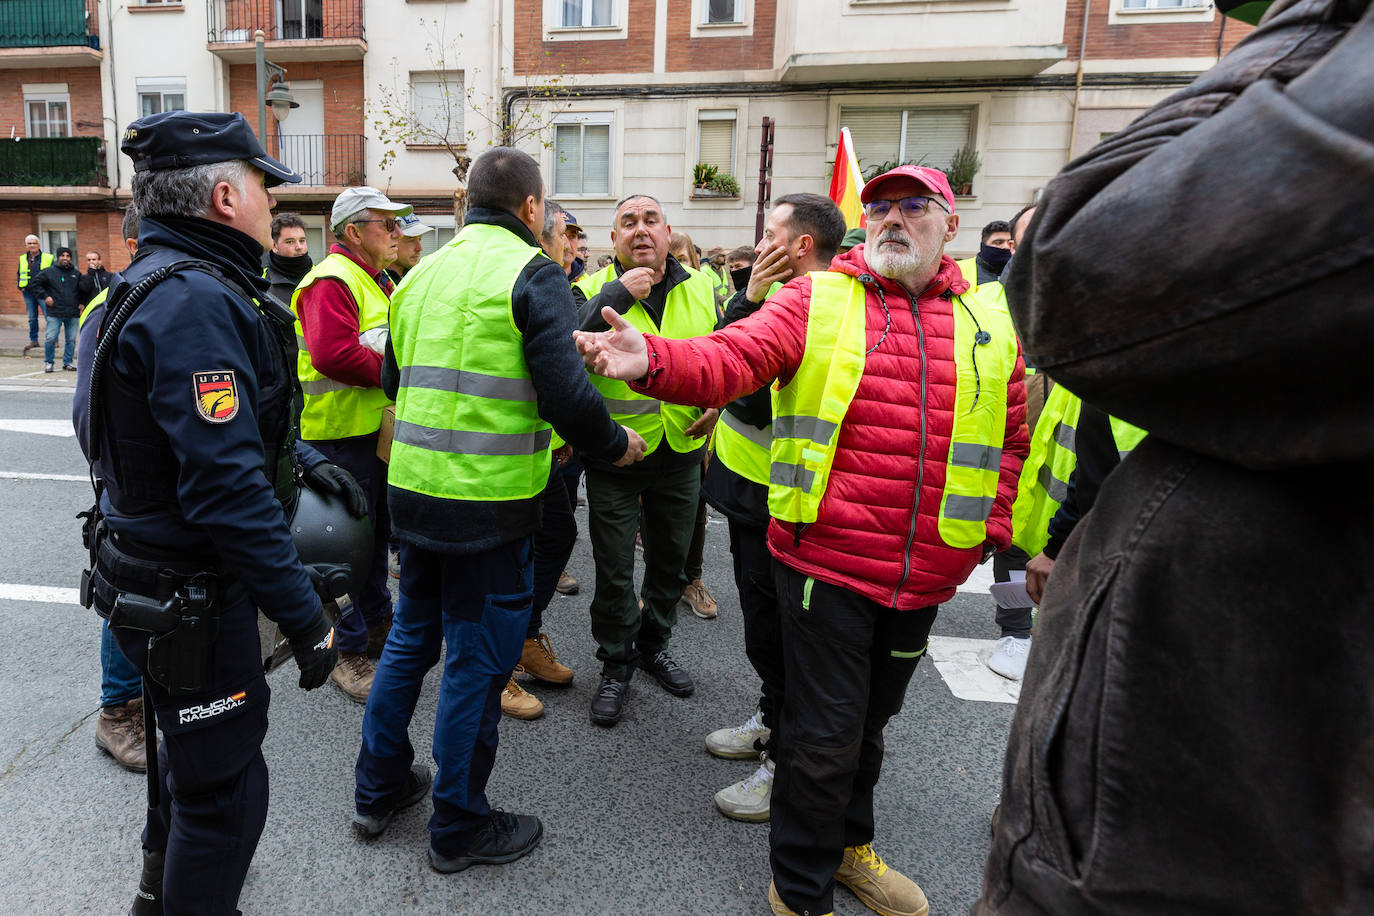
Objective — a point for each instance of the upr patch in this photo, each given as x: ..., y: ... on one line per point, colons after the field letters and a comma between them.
x: 217, y: 395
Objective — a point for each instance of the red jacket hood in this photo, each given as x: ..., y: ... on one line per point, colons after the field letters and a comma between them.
x: 855, y: 264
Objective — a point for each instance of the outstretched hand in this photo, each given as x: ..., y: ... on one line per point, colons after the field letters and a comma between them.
x: 618, y: 353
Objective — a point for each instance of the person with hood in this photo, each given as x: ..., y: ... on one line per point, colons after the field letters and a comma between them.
x: 898, y: 435
x: 289, y: 260
x: 57, y: 287
x: 1196, y: 725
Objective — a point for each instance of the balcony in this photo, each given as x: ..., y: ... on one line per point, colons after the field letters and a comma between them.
x: 53, y: 162
x: 49, y: 33
x: 295, y: 29
x: 326, y: 160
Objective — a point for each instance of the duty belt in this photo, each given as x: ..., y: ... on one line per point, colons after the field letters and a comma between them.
x: 119, y: 572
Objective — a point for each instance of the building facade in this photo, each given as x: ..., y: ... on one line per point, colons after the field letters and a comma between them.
x: 613, y: 97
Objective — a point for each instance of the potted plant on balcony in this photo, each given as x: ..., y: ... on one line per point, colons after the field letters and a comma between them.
x: 726, y: 186
x: 961, y: 170
x: 703, y: 175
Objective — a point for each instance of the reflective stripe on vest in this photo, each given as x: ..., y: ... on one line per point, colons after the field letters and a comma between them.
x: 467, y: 414
x: 810, y: 409
x: 44, y: 262
x: 689, y: 311
x: 334, y: 409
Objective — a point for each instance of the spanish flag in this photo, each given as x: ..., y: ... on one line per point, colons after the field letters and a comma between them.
x: 846, y: 181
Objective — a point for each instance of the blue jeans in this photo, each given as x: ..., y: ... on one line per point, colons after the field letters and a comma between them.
x: 479, y: 605
x: 34, y: 306
x: 68, y: 325
x: 119, y: 679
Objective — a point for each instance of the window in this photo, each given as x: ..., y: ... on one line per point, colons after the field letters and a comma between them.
x: 47, y: 115
x: 156, y: 95
x: 436, y: 105
x: 925, y: 136
x: 716, y: 139
x: 56, y: 232
x: 588, y: 14
x: 300, y: 18
x: 582, y: 155
x: 723, y: 11
x: 1163, y: 4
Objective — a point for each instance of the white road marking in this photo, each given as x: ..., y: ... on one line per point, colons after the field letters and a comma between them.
x: 65, y: 389
x: 979, y: 580
x: 44, y: 593
x: 39, y: 427
x: 962, y: 663
x: 24, y: 475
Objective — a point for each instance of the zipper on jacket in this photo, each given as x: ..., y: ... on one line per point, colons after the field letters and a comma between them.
x: 920, y: 452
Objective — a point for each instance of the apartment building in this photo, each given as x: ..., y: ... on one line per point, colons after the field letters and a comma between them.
x: 612, y: 96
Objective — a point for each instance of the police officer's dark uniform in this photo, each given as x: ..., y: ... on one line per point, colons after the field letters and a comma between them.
x: 194, y: 436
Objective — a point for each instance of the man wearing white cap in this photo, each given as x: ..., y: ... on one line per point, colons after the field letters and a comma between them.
x: 409, y: 247
x: 343, y: 297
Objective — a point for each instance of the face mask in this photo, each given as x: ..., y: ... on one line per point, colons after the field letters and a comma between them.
x: 996, y: 258
x: 740, y: 277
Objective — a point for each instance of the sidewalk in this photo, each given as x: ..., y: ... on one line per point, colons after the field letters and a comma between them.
x: 12, y: 340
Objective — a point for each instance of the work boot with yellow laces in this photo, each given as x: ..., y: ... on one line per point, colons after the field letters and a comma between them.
x: 540, y: 663
x: 517, y: 702
x: 781, y: 909
x: 878, y: 886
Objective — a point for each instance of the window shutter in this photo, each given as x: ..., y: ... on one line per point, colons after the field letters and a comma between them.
x: 936, y: 134
x: 596, y: 159
x: 567, y: 167
x: 877, y: 134
x: 717, y: 145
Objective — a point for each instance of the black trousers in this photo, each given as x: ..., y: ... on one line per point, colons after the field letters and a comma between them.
x: 372, y: 606
x: 214, y: 779
x: 553, y: 545
x: 758, y: 599
x: 848, y: 661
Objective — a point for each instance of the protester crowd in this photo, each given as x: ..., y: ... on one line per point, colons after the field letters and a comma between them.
x: 853, y: 401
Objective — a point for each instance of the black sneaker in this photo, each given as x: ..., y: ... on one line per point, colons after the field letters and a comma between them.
x: 68, y: 368
x: 609, y: 701
x: 148, y: 902
x: 504, y: 838
x: 666, y: 671
x: 417, y: 787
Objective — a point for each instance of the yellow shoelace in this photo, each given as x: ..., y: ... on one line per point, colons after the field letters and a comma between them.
x: 865, y: 856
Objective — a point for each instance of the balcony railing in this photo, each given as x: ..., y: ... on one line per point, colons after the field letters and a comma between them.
x: 328, y: 160
x: 53, y: 161
x: 233, y: 21
x: 49, y: 24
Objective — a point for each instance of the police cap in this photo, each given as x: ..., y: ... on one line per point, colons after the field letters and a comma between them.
x: 184, y: 139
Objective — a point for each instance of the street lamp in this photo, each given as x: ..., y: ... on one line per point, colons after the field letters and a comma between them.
x: 272, y: 88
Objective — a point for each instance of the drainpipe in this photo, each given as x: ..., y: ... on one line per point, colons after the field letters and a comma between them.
x: 112, y: 155
x: 1078, y: 80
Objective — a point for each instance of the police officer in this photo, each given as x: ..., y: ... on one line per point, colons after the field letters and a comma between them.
x: 192, y: 435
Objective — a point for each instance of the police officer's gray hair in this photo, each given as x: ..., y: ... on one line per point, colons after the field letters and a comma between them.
x: 185, y: 192
x: 129, y: 226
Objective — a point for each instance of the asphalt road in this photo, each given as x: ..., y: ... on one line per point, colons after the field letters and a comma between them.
x: 629, y: 823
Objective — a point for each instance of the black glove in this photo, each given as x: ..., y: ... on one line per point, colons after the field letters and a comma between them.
x: 330, y: 478
x: 315, y: 652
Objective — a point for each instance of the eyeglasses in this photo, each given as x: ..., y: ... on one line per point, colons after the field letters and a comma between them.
x: 910, y: 206
x: 389, y: 224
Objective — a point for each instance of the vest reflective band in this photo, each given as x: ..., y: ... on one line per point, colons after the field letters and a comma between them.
x: 690, y: 311
x: 969, y: 268
x: 334, y: 409
x: 1044, y: 483
x: 743, y: 447
x: 44, y: 262
x: 467, y: 417
x: 810, y: 409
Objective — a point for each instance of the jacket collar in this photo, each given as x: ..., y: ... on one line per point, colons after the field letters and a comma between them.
x: 490, y: 216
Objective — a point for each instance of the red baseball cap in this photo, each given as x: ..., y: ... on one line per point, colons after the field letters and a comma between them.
x: 934, y: 181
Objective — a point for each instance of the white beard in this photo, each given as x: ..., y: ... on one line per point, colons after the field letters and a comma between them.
x: 893, y: 263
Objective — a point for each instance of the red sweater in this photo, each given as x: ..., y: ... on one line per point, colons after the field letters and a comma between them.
x: 329, y: 324
x: 872, y: 535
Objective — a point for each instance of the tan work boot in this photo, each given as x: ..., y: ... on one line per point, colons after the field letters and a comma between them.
x: 376, y: 638
x: 119, y: 733
x: 699, y: 598
x: 519, y: 703
x: 879, y: 887
x: 541, y: 664
x: 567, y: 585
x: 781, y: 909
x: 353, y: 675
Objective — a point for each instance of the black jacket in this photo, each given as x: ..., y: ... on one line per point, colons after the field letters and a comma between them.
x: 542, y: 306
x: 91, y: 283
x: 1195, y: 732
x: 61, y: 283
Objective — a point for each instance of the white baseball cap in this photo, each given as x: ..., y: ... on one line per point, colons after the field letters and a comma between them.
x: 354, y: 200
x: 411, y: 226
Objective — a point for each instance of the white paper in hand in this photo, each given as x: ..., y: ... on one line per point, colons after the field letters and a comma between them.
x: 1013, y: 593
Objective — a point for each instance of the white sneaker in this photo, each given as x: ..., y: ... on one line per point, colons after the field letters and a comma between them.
x: 738, y: 743
x: 748, y: 800
x: 1009, y: 658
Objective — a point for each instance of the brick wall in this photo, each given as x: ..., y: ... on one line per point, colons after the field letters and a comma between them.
x: 96, y: 230
x: 1143, y: 39
x: 753, y: 52
x: 344, y: 92
x: 534, y: 56
x: 83, y: 86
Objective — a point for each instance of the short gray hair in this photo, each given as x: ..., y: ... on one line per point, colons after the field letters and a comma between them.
x: 185, y: 192
x: 361, y: 216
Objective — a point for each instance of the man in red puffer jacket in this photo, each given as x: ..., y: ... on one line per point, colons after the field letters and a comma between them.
x: 898, y: 438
